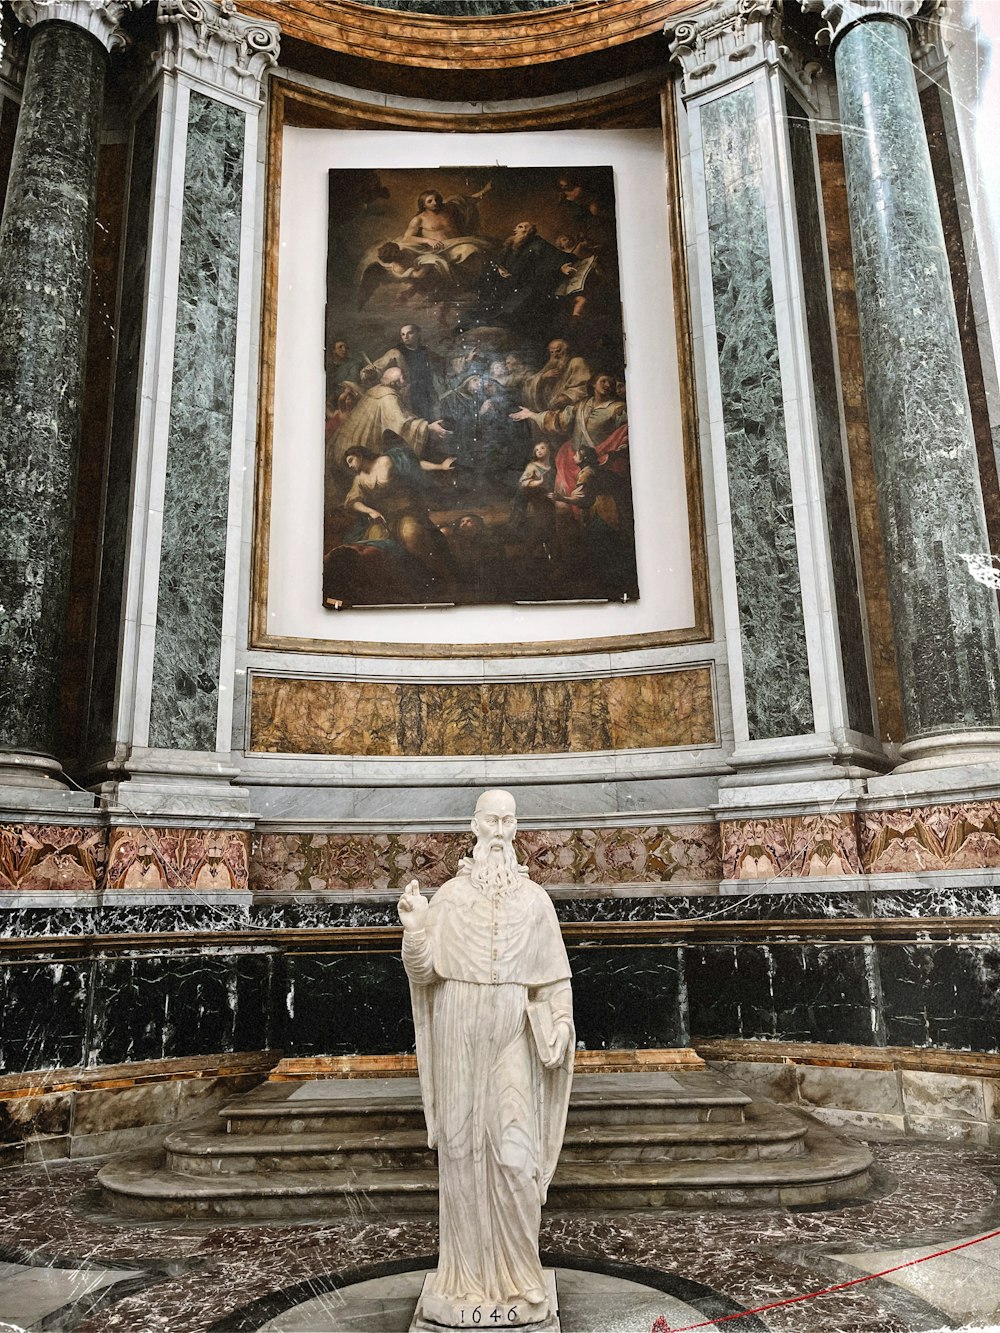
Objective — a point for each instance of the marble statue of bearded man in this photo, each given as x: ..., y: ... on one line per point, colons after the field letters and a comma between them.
x: 493, y: 1012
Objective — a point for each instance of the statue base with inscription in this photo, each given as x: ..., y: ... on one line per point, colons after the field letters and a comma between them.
x: 434, y: 1313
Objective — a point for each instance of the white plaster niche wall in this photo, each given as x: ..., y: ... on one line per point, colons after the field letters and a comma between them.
x: 666, y: 602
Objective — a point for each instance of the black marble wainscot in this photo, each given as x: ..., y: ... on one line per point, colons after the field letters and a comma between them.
x: 137, y: 982
x: 784, y: 991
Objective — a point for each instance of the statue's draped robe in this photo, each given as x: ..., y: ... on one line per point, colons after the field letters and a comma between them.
x: 494, y: 1112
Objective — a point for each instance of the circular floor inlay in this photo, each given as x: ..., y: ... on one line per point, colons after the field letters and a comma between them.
x: 588, y: 1303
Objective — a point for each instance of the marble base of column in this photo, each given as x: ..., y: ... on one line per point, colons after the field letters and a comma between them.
x: 32, y: 788
x: 798, y: 759
x: 176, y: 784
x: 950, y: 748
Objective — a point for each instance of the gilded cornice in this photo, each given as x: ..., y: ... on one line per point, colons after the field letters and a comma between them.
x: 565, y: 32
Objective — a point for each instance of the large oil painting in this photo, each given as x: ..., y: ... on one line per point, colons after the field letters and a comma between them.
x: 477, y: 446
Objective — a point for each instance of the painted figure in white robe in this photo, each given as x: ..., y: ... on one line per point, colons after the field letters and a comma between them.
x: 493, y: 1013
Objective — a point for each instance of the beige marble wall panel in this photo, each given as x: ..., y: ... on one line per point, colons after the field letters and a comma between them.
x: 871, y: 1090
x: 963, y: 1108
x: 672, y: 708
x: 942, y: 1096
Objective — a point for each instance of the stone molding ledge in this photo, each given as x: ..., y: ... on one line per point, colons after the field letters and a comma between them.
x: 216, y: 45
x: 101, y: 18
x: 305, y: 1069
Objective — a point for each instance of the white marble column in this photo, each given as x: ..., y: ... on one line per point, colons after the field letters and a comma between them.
x: 162, y: 708
x: 795, y: 633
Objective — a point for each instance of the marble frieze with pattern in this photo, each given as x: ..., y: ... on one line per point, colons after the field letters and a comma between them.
x: 317, y: 862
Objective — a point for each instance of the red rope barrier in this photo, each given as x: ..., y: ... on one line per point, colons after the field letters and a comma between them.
x: 660, y: 1324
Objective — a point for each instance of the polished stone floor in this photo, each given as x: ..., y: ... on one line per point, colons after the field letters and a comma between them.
x: 66, y: 1264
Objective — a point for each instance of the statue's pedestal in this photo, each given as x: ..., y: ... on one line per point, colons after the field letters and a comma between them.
x: 464, y: 1318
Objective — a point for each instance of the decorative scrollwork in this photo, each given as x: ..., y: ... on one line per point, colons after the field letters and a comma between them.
x: 215, y: 43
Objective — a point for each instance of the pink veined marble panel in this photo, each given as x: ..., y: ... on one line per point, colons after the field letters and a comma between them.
x: 168, y: 858
x: 287, y: 863
x: 802, y: 845
x: 960, y: 836
x: 52, y: 856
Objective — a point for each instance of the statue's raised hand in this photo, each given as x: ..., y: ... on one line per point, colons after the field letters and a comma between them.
x: 412, y: 907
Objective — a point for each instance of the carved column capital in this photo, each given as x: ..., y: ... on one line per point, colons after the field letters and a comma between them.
x: 727, y: 38
x: 214, y: 43
x: 716, y: 43
x: 98, y: 17
x: 841, y: 15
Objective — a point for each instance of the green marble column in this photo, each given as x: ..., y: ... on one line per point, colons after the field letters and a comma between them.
x: 946, y: 624
x: 45, y: 252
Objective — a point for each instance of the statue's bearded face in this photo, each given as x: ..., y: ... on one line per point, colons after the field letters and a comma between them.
x: 494, y: 860
x: 494, y: 828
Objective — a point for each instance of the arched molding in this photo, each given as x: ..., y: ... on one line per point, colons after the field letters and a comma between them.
x: 566, y: 32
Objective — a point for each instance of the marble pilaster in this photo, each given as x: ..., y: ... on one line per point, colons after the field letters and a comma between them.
x: 167, y: 710
x: 45, y: 252
x: 946, y: 622
x: 795, y: 634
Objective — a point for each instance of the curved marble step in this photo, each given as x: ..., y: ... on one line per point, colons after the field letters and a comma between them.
x: 195, y: 1152
x: 767, y: 1133
x: 830, y: 1169
x: 348, y: 1105
x: 139, y: 1187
